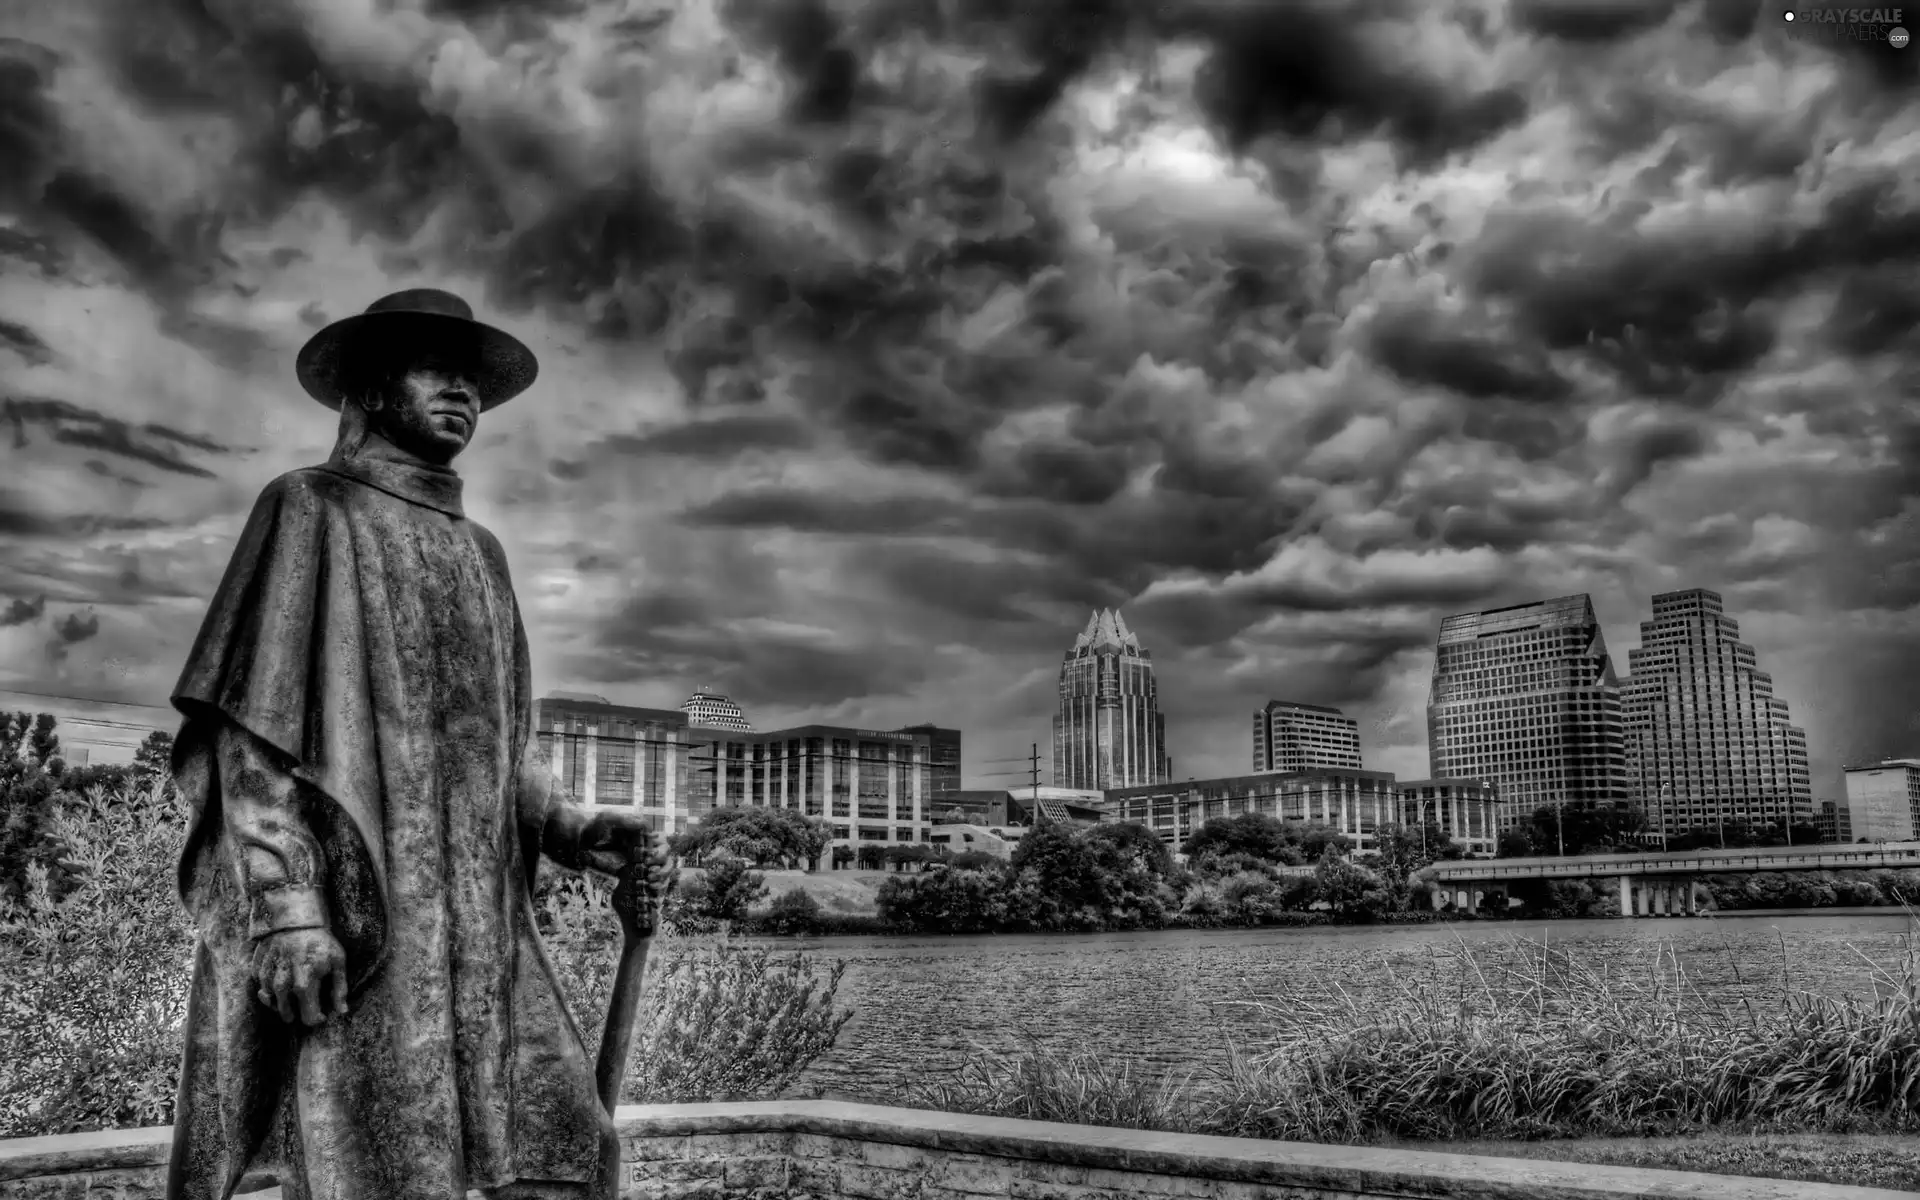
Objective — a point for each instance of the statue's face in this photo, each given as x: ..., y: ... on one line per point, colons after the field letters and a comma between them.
x: 432, y: 409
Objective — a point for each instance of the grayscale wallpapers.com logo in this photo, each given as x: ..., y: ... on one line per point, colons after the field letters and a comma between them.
x: 1850, y: 25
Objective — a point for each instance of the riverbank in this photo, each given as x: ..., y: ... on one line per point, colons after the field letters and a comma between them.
x: 1523, y: 1042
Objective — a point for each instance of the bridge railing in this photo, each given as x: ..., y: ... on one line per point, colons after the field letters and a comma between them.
x: 1888, y: 854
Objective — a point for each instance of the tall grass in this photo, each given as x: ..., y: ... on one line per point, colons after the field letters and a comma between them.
x: 93, y: 985
x: 1520, y: 1042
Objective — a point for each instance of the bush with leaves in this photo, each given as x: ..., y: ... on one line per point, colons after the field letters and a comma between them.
x: 943, y: 900
x: 720, y: 1020
x: 93, y: 984
x: 761, y: 836
x: 793, y: 911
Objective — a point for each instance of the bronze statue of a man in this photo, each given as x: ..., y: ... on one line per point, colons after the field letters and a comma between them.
x: 373, y: 1016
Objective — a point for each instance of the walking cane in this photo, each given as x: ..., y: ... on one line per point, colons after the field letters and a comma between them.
x: 633, y: 904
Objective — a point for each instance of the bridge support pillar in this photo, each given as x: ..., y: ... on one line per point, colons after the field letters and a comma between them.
x: 1662, y: 898
x: 1626, y: 894
x: 1642, y: 898
x: 1439, y: 899
x: 1692, y: 906
x: 1473, y: 899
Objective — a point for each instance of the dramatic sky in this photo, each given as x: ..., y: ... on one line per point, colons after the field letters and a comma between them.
x: 882, y: 342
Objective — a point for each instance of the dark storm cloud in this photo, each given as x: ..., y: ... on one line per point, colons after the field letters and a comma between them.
x: 1064, y: 471
x: 29, y: 126
x: 76, y: 627
x: 992, y: 590
x: 679, y: 635
x: 25, y: 343
x: 1593, y: 20
x: 19, y: 612
x: 239, y: 348
x: 828, y: 513
x: 714, y: 438
x: 1877, y: 310
x: 806, y: 37
x: 23, y: 520
x: 1307, y: 70
x: 96, y: 209
x: 1421, y: 346
x: 1675, y: 315
x: 153, y: 444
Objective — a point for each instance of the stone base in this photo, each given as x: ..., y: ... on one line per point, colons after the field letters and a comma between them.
x: 824, y: 1150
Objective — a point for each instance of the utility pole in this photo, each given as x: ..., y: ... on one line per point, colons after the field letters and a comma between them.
x: 1035, y: 768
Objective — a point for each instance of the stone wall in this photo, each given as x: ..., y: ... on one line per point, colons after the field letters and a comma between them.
x: 823, y: 1150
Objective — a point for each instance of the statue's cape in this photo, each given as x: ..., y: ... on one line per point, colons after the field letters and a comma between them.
x: 283, y: 654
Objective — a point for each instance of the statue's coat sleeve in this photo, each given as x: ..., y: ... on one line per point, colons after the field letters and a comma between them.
x: 281, y: 655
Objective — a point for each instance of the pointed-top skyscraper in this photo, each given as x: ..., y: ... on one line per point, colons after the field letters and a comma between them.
x: 1109, y: 731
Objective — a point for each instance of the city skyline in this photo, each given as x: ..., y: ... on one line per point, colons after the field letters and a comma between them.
x: 1289, y: 364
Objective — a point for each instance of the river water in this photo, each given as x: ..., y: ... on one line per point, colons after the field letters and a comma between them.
x: 1170, y: 999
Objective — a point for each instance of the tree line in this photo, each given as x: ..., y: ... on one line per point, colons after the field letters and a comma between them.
x: 35, y: 780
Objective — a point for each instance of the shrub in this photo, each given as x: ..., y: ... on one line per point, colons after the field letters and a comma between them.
x: 720, y: 1020
x: 943, y: 900
x: 723, y: 891
x: 93, y: 986
x: 793, y: 911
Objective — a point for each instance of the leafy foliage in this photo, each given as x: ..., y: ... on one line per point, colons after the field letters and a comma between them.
x: 1226, y: 845
x: 759, y: 836
x: 93, y: 984
x: 720, y: 1020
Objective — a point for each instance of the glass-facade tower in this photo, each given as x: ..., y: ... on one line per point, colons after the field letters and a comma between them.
x: 1525, y: 698
x: 1710, y: 742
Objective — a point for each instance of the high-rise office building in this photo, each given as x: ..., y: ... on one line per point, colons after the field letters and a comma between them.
x: 1709, y: 743
x: 867, y: 785
x: 1883, y: 800
x: 943, y: 750
x: 1108, y: 731
x: 613, y: 754
x: 1525, y: 698
x: 708, y: 709
x: 1834, y: 820
x: 1288, y: 736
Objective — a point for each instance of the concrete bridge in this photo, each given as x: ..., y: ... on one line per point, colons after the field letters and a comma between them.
x: 1653, y: 884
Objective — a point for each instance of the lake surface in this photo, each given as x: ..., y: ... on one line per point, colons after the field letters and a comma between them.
x: 1172, y: 999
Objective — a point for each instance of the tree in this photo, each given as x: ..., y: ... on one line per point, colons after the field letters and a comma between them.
x: 792, y: 911
x: 1584, y: 829
x: 731, y: 888
x: 1515, y: 843
x: 761, y: 836
x: 1123, y: 842
x: 1255, y: 834
x: 29, y: 797
x: 942, y: 900
x: 154, y: 757
x: 1350, y: 890
x: 1406, y: 849
x: 871, y: 857
x: 842, y: 855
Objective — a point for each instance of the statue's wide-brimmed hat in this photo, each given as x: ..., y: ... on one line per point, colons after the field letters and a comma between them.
x: 417, y: 321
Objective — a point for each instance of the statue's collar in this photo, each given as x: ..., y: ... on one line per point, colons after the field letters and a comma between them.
x: 398, y: 473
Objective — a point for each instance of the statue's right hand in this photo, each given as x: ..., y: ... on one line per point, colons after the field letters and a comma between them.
x: 298, y: 968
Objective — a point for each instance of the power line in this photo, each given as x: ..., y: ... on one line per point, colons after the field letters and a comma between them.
x: 83, y: 699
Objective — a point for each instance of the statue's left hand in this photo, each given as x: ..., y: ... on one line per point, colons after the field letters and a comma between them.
x: 611, y: 840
